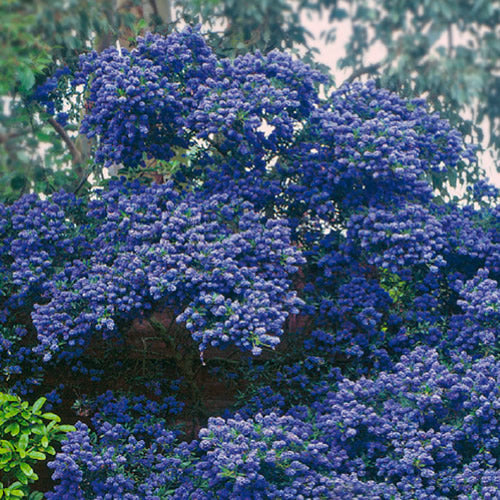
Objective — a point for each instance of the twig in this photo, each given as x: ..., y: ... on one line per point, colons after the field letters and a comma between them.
x: 83, y: 180
x: 77, y: 157
x: 12, y: 135
x: 75, y: 153
x: 362, y: 71
x: 450, y: 40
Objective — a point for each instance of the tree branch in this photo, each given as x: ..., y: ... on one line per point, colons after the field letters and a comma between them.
x: 75, y: 153
x: 162, y: 9
x: 83, y: 180
x: 362, y: 71
x: 12, y: 135
x: 77, y: 157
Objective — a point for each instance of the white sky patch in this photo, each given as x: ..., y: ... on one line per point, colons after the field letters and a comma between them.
x: 266, y: 128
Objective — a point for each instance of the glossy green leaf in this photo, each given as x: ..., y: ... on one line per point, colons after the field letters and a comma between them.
x: 21, y: 476
x: 26, y: 468
x: 37, y: 405
x: 66, y: 428
x: 13, y: 429
x: 37, y: 455
x: 22, y: 443
x: 51, y: 416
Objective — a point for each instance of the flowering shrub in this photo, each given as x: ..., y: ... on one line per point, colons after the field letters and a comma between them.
x: 424, y: 430
x: 131, y: 456
x: 221, y: 266
x: 421, y: 431
x: 295, y: 226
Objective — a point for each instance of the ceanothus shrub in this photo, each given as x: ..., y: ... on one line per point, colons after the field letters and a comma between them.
x: 424, y: 430
x: 132, y: 456
x: 36, y: 235
x: 368, y: 146
x: 388, y: 386
x: 222, y: 267
x: 358, y: 163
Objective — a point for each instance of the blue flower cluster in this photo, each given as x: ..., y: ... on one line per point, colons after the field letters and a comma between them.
x: 423, y: 430
x: 46, y: 93
x: 476, y: 328
x: 397, y: 240
x: 367, y: 147
x: 139, y: 100
x: 170, y: 93
x: 221, y: 266
x: 133, y: 458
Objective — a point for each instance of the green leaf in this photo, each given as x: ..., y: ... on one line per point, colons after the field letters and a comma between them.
x: 51, y: 416
x: 45, y: 441
x: 11, y: 412
x: 18, y: 182
x: 21, y: 477
x: 23, y: 442
x: 26, y: 468
x: 7, y: 444
x: 26, y: 78
x: 66, y: 428
x: 13, y: 429
x: 37, y: 455
x: 38, y: 429
x: 37, y: 405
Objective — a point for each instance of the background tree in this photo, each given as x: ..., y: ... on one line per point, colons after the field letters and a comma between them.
x: 446, y: 51
x: 39, y: 36
x: 38, y: 150
x: 241, y: 26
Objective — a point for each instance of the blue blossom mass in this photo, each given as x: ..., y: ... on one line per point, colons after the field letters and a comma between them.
x: 296, y: 243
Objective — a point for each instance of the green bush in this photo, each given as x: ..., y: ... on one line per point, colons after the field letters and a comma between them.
x: 26, y: 436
